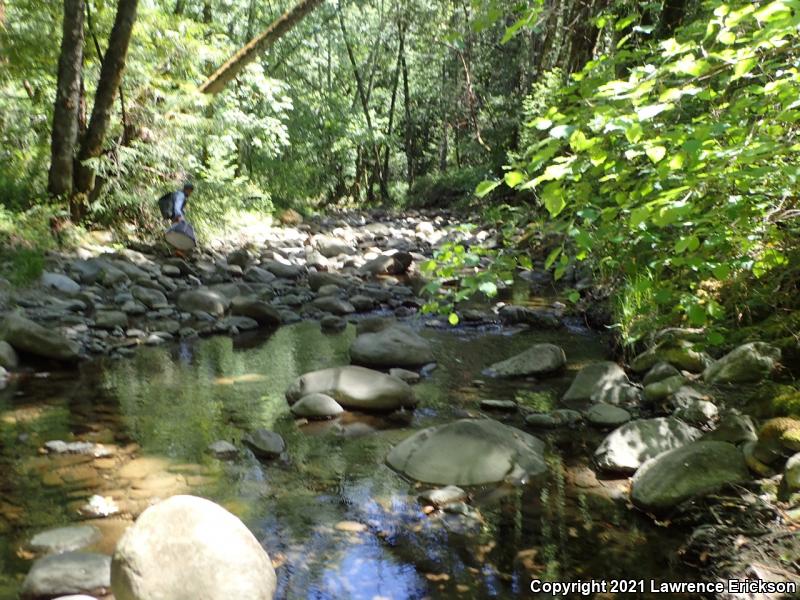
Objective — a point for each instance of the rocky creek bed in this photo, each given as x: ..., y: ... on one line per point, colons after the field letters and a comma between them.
x: 293, y: 381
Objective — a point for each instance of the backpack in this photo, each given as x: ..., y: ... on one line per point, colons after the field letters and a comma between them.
x: 167, y: 205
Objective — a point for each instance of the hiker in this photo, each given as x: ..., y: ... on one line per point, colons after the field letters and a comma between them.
x: 173, y: 205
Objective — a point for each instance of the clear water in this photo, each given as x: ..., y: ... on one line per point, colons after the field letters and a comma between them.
x: 168, y: 404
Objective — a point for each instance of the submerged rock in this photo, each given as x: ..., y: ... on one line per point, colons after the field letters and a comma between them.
x: 190, y: 548
x: 395, y: 346
x: 469, y: 452
x: 626, y: 448
x: 26, y: 336
x: 595, y: 379
x: 68, y: 573
x: 265, y: 443
x: 64, y: 539
x: 683, y: 473
x: 353, y: 387
x: 747, y: 363
x: 539, y: 359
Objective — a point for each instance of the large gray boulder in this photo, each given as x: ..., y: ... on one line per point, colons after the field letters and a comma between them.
x: 595, y: 379
x: 59, y: 282
x: 330, y: 246
x: 26, y: 336
x: 354, y: 387
x: 539, y: 359
x: 627, y: 447
x: 204, y: 300
x: 261, y: 312
x: 68, y: 573
x: 395, y: 346
x: 469, y: 452
x: 188, y: 548
x: 693, y: 470
x: 747, y: 363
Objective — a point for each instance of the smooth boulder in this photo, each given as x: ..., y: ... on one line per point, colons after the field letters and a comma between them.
x: 594, y: 379
x: 747, y: 363
x: 204, y: 300
x: 688, y: 472
x: 679, y: 353
x: 469, y: 452
x: 354, y: 387
x: 539, y: 359
x: 395, y: 346
x: 189, y: 548
x: 258, y: 310
x: 68, y: 573
x: 26, y: 336
x: 626, y: 448
x: 316, y: 406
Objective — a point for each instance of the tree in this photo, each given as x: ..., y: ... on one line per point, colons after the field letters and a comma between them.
x: 68, y: 90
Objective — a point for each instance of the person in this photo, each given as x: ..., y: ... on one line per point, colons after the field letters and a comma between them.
x: 180, y: 200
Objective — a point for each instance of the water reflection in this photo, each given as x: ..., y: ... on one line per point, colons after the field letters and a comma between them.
x: 172, y: 402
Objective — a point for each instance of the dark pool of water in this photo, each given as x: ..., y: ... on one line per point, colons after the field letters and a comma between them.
x: 173, y: 402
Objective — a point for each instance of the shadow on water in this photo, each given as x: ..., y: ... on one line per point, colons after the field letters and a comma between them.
x: 337, y: 521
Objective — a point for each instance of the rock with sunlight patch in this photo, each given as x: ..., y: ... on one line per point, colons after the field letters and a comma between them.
x: 677, y: 352
x: 469, y: 452
x: 189, y: 548
x: 626, y: 448
x: 539, y: 359
x: 316, y: 406
x: 68, y: 573
x: 394, y: 346
x: 354, y: 387
x: 747, y: 363
x: 595, y: 379
x: 691, y: 471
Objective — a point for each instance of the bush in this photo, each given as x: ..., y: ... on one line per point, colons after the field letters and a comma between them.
x: 445, y: 189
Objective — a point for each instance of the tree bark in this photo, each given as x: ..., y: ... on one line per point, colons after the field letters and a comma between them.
x: 107, y: 87
x: 248, y: 53
x: 65, y: 114
x: 395, y: 80
x: 409, y: 125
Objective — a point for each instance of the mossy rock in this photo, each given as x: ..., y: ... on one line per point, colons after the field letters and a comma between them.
x: 753, y: 463
x: 787, y: 404
x: 776, y: 437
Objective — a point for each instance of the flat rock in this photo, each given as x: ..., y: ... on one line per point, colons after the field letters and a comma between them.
x: 607, y: 415
x: 59, y: 282
x: 469, y: 452
x: 502, y: 405
x: 687, y: 472
x: 265, y: 443
x: 539, y: 359
x: 151, y: 298
x: 395, y: 346
x: 26, y: 336
x: 203, y: 300
x: 679, y: 353
x: 68, y: 573
x: 443, y: 496
x: 64, y: 539
x: 626, y: 448
x: 336, y: 306
x: 354, y: 387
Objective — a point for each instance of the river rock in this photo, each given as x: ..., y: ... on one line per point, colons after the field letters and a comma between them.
x: 316, y: 279
x: 747, y: 363
x: 110, y: 319
x: 395, y: 346
x: 691, y: 406
x: 258, y: 275
x: 203, y: 300
x: 621, y: 394
x: 188, y: 548
x: 362, y: 303
x: 332, y: 324
x: 469, y: 452
x: 8, y: 356
x: 336, y: 306
x: 283, y: 270
x: 626, y: 448
x: 539, y: 359
x: 388, y: 264
x: 26, y: 336
x: 664, y: 388
x: 354, y: 387
x: 593, y: 379
x: 537, y: 318
x: 240, y: 258
x: 405, y: 375
x: 265, y: 443
x: 64, y: 539
x: 733, y: 428
x: 442, y: 496
x: 151, y: 298
x: 223, y: 450
x: 607, y: 415
x: 330, y: 246
x: 790, y: 481
x: 316, y: 406
x: 687, y: 472
x: 258, y: 310
x: 68, y: 573
x: 59, y: 282
x: 659, y: 371
x: 677, y: 352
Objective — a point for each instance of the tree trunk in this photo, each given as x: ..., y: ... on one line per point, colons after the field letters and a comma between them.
x: 68, y: 91
x: 248, y: 53
x: 395, y: 80
x: 208, y: 14
x: 409, y: 126
x: 180, y: 5
x: 107, y: 87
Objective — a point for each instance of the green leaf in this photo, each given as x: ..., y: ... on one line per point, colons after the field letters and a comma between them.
x: 488, y: 288
x: 513, y: 178
x: 554, y: 199
x: 485, y: 187
x: 645, y: 113
x: 574, y: 296
x: 743, y: 67
x: 656, y: 153
x: 634, y: 132
x: 453, y: 319
x: 551, y: 258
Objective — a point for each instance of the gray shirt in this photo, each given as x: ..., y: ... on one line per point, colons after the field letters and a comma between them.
x: 179, y: 200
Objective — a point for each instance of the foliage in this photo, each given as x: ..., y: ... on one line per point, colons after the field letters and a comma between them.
x: 679, y: 174
x: 450, y: 188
